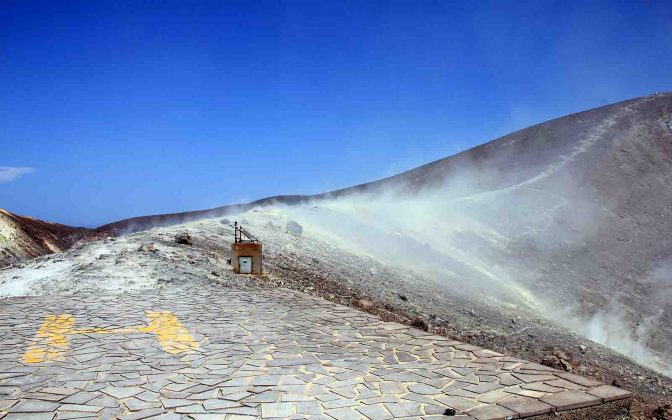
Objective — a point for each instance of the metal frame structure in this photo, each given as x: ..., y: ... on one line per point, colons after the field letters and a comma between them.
x: 240, y: 234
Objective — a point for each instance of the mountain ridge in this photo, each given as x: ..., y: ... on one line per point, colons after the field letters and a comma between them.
x: 423, y: 176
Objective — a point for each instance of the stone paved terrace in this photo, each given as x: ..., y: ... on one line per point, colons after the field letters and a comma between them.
x: 214, y: 353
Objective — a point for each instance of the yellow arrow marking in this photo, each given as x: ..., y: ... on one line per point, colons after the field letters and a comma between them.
x: 51, y: 340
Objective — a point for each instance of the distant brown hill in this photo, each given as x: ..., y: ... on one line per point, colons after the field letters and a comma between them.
x: 24, y: 237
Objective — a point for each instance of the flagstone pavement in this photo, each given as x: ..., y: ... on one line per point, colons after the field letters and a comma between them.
x: 220, y: 353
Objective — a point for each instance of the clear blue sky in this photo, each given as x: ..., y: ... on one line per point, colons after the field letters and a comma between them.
x: 112, y: 109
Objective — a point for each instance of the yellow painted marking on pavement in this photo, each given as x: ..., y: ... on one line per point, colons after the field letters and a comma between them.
x: 51, y: 340
x: 174, y: 338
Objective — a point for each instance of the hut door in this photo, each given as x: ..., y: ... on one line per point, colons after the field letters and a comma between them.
x: 245, y: 265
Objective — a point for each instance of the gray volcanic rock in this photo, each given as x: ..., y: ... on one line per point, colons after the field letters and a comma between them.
x: 294, y: 228
x: 183, y: 238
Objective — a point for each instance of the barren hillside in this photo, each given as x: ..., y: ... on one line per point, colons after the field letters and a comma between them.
x: 24, y: 237
x: 570, y: 218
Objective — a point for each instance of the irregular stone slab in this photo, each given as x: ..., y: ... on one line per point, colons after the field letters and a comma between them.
x: 219, y: 404
x: 423, y: 389
x: 121, y: 392
x: 33, y: 416
x: 264, y: 397
x: 79, y: 408
x: 190, y: 409
x: 59, y: 390
x: 404, y: 409
x: 34, y: 406
x: 526, y: 406
x: 343, y: 414
x: 79, y: 398
x: 609, y: 393
x: 527, y: 378
x: 282, y: 410
x: 143, y: 414
x: 568, y: 400
x: 309, y: 407
x: 458, y: 403
x: 174, y: 402
x: 580, y: 380
x: 492, y: 412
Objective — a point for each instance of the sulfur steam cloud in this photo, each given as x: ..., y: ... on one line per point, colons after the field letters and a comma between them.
x: 505, y: 244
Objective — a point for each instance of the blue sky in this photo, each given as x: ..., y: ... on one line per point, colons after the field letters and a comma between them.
x: 113, y: 109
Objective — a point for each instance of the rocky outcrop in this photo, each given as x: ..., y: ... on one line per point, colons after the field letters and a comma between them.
x: 293, y: 228
x: 183, y: 238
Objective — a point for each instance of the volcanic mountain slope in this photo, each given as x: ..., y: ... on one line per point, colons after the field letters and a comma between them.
x: 570, y: 217
x: 24, y: 237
